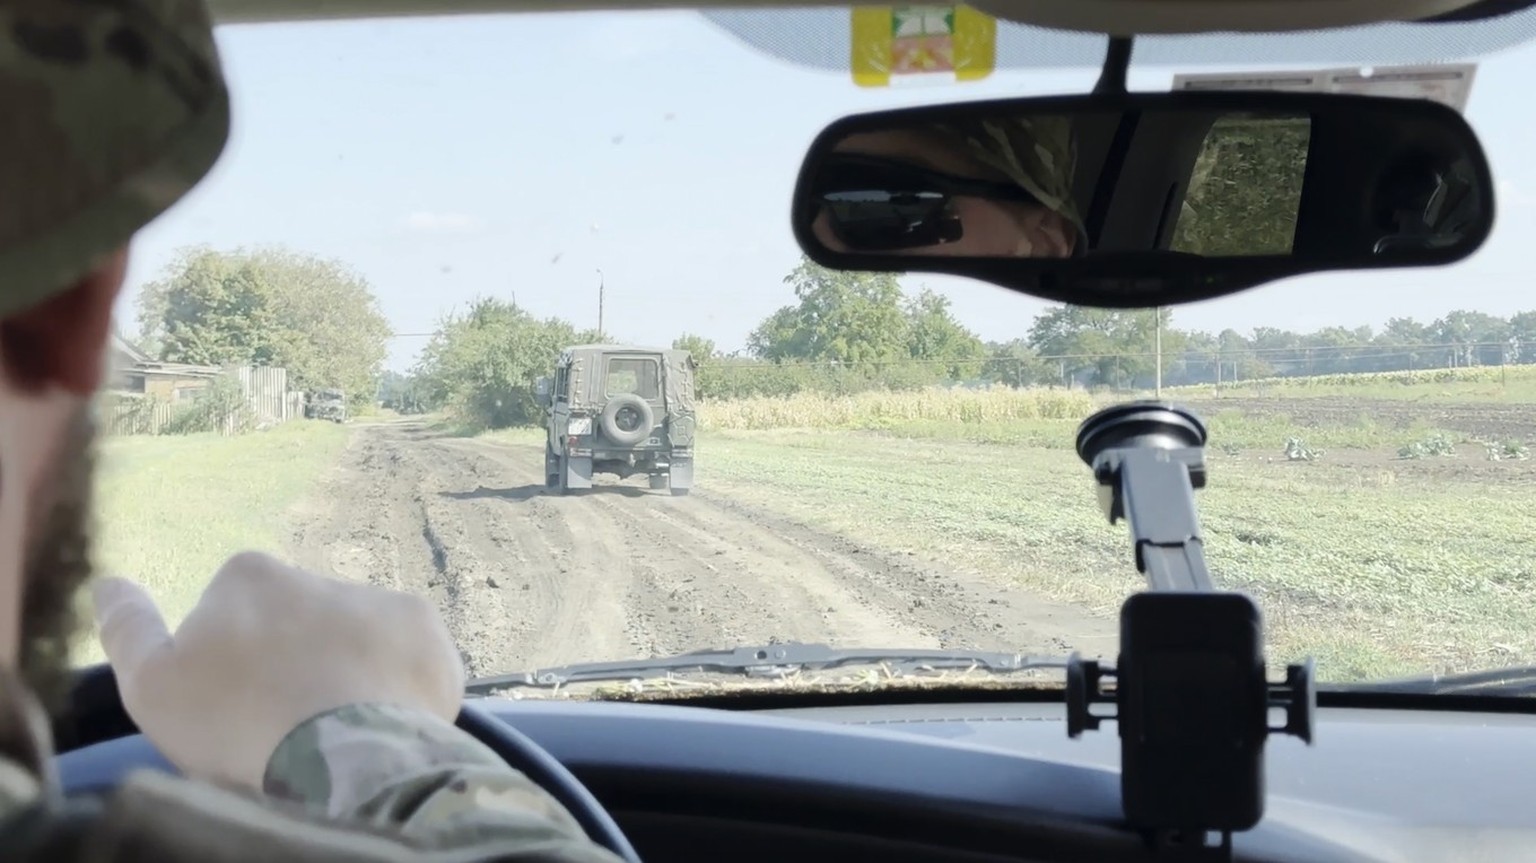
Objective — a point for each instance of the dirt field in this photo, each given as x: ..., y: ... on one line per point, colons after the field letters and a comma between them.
x: 528, y: 579
x: 1501, y: 423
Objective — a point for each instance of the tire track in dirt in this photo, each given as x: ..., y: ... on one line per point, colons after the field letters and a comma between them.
x: 528, y: 579
x: 720, y: 582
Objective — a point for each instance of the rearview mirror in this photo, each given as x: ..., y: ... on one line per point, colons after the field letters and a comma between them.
x: 541, y: 391
x: 1145, y: 199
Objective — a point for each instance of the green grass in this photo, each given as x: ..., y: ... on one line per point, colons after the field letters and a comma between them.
x: 1374, y: 570
x: 1229, y: 430
x: 1467, y: 385
x: 171, y: 509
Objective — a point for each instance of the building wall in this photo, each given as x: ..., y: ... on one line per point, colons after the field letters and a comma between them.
x: 144, y: 399
x: 125, y: 378
x: 173, y: 388
x: 128, y: 383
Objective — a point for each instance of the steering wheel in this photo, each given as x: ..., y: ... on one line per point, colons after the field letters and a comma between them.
x: 96, y: 714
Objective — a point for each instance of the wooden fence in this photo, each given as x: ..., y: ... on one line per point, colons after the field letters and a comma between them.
x: 135, y: 416
x: 268, y: 402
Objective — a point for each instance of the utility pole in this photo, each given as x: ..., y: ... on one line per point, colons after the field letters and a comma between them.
x: 599, y: 303
x: 1158, y: 349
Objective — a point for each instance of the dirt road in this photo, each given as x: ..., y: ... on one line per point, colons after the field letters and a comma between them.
x: 528, y: 579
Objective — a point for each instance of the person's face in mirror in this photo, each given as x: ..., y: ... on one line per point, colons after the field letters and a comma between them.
x: 989, y: 226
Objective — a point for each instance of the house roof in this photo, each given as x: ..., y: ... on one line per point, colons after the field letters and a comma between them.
x: 142, y: 363
x: 127, y: 348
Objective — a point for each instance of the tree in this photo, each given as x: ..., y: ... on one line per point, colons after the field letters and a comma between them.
x: 1107, y: 347
x: 934, y: 335
x: 1397, y: 333
x: 1478, y: 337
x: 1018, y: 365
x: 268, y: 307
x: 863, y: 332
x: 482, y: 365
x: 1522, y: 335
x: 841, y: 317
x: 208, y: 308
x: 1336, y: 349
x: 701, y: 348
x: 1241, y: 361
x: 399, y: 392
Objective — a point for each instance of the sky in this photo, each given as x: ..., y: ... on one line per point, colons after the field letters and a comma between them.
x: 531, y: 157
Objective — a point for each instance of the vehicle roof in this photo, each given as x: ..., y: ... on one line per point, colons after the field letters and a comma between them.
x: 615, y: 348
x: 1118, y: 17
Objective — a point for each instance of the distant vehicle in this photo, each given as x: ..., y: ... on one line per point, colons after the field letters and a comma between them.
x: 326, y: 404
x: 619, y: 410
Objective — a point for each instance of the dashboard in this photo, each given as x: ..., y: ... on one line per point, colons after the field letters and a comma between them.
x: 983, y: 782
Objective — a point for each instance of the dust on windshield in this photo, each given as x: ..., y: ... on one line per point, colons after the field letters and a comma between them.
x: 456, y: 237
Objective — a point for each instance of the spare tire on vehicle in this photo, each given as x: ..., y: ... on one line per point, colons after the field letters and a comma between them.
x: 627, y: 419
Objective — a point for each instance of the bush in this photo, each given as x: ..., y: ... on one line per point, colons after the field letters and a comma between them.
x: 221, y: 406
x: 884, y: 409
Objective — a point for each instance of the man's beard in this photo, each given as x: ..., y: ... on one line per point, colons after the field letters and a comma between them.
x: 58, y: 564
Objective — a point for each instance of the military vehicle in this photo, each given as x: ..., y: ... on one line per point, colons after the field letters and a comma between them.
x: 619, y: 410
x: 326, y: 404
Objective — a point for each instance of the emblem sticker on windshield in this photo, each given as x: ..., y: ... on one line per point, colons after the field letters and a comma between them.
x: 916, y: 44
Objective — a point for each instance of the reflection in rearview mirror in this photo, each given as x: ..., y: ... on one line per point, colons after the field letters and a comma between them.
x: 1146, y: 199
x: 984, y: 186
x: 1244, y: 192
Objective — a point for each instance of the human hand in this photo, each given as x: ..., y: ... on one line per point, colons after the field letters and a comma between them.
x: 267, y: 647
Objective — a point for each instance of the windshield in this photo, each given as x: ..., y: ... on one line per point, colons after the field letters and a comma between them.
x: 439, y: 209
x: 637, y: 376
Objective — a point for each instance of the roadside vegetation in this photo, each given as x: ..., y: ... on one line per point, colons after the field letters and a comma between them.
x: 1512, y: 384
x: 268, y: 306
x: 171, y: 509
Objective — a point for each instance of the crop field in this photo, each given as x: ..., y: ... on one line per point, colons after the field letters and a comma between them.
x: 1398, y: 536
x: 1387, y: 524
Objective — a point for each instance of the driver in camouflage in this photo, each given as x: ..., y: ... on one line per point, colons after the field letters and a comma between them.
x: 1039, y: 154
x: 289, y: 702
x: 1022, y: 206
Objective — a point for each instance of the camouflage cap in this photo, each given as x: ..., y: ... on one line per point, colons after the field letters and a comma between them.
x: 113, y: 110
x: 1037, y: 153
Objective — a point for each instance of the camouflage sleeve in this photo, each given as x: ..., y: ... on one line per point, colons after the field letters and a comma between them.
x: 415, y: 773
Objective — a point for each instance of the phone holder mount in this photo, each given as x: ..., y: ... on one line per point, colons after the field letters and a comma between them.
x: 1192, y: 697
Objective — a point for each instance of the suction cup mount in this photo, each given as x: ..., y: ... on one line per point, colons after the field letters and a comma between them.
x: 1191, y: 697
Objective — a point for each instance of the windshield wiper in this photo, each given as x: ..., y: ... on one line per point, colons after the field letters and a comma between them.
x: 1513, y: 681
x: 769, y: 660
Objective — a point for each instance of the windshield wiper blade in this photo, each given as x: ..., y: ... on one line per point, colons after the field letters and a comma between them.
x: 1513, y: 681
x: 769, y: 660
